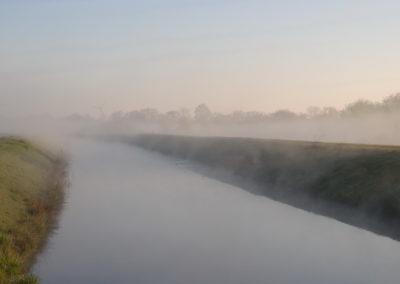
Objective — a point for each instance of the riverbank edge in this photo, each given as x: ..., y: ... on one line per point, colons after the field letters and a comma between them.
x: 375, y: 207
x: 21, y: 244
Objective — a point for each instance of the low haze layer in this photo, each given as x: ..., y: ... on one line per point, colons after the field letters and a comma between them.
x: 60, y: 57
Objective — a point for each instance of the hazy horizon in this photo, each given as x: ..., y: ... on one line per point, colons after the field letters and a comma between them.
x: 68, y: 57
x: 183, y: 141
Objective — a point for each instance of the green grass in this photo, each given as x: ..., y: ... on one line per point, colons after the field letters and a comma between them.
x: 364, y: 178
x: 30, y: 193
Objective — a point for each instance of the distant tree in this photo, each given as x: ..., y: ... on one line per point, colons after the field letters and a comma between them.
x: 283, y: 115
x: 149, y: 113
x: 254, y: 117
x: 117, y: 116
x: 329, y: 112
x: 184, y: 113
x: 325, y: 112
x: 391, y: 103
x: 313, y: 111
x: 172, y: 115
x: 184, y: 120
x: 237, y: 116
x: 202, y: 113
x: 146, y: 114
x: 360, y: 108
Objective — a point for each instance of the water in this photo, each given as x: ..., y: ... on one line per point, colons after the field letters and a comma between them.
x: 136, y: 217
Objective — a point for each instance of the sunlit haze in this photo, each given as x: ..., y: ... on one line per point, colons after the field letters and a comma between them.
x: 199, y: 141
x: 74, y: 56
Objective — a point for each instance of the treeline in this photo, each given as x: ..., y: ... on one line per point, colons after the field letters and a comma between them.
x: 203, y: 114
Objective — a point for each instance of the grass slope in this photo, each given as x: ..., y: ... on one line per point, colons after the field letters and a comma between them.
x: 30, y: 193
x: 348, y: 177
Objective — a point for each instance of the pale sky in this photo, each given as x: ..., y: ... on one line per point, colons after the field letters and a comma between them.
x: 63, y: 56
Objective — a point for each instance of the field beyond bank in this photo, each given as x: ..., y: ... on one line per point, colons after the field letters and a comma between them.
x: 357, y: 184
x: 31, y: 183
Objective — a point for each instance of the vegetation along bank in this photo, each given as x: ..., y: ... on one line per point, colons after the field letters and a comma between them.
x: 356, y: 184
x: 31, y: 194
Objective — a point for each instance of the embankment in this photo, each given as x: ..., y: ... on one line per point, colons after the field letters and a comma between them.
x: 357, y: 184
x: 31, y: 193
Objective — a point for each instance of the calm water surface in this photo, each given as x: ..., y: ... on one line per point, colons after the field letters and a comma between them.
x: 136, y: 217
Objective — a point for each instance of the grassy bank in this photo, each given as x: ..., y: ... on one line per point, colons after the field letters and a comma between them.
x: 357, y: 184
x: 30, y: 194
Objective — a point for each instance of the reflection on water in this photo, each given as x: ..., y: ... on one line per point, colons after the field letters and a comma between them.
x: 136, y: 217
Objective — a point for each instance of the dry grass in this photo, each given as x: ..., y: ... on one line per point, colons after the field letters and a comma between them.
x: 30, y: 193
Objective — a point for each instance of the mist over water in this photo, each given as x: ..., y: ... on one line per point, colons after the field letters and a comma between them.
x: 292, y: 70
x: 359, y: 122
x: 137, y: 217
